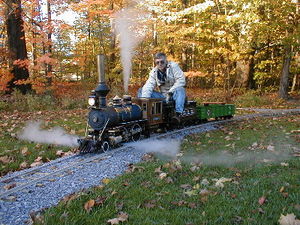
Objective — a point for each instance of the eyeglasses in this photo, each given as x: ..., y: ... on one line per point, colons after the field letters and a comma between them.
x: 162, y: 62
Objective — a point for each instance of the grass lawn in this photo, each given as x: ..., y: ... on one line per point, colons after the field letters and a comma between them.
x: 244, y: 173
x: 16, y: 154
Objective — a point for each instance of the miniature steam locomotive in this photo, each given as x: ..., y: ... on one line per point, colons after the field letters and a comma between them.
x: 128, y: 119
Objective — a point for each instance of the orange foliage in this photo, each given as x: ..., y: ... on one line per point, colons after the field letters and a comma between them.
x: 193, y: 74
x: 22, y: 63
x: 5, y: 77
x: 63, y: 89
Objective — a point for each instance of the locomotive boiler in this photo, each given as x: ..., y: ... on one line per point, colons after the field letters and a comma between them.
x: 110, y: 124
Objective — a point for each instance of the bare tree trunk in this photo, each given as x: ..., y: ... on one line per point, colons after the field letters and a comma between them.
x: 16, y: 44
x: 294, y: 82
x: 245, y: 70
x: 284, y: 79
x: 184, y: 59
x: 49, y: 66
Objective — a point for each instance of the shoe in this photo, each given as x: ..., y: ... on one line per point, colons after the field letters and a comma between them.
x: 178, y: 114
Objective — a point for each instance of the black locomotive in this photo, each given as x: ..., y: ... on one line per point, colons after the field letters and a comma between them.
x: 128, y: 119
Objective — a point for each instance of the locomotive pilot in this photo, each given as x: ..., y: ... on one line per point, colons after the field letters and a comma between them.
x: 170, y: 80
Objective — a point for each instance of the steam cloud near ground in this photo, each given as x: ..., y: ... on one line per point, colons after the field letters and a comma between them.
x: 171, y: 148
x: 57, y: 135
x: 223, y: 158
x: 165, y: 147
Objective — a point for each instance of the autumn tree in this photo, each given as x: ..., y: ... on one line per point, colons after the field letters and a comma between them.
x: 18, y: 60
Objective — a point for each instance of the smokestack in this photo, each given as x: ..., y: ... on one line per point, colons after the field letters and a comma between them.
x: 102, y: 89
x: 101, y: 68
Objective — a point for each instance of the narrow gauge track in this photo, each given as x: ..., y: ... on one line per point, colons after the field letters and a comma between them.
x: 31, y: 177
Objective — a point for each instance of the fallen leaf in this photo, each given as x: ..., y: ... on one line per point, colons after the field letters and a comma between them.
x: 59, y: 153
x: 186, y: 186
x: 23, y: 165
x: 122, y: 217
x: 267, y: 160
x: 119, y: 206
x: 261, y: 211
x: 151, y: 204
x: 158, y: 169
x: 105, y: 181
x: 162, y: 176
x: 233, y: 195
x: 100, y: 200
x: 169, y: 180
x: 205, y: 182
x: 148, y: 157
x: 261, y: 200
x: 194, y: 168
x: 295, y: 131
x: 191, y: 193
x: 10, y: 186
x: 39, y: 159
x: 70, y: 197
x: 270, y: 148
x: 5, y: 159
x: 179, y: 203
x: 227, y: 138
x: 24, y: 151
x: 34, y: 164
x: 219, y: 182
x: 204, y: 192
x: 196, y: 186
x: 10, y: 198
x: 254, y: 145
x: 192, y: 205
x: 285, y: 194
x: 196, y: 178
x: 89, y: 205
x: 113, y: 221
x: 289, y: 219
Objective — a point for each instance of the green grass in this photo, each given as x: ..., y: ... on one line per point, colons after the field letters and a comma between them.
x: 184, y: 198
x: 73, y: 121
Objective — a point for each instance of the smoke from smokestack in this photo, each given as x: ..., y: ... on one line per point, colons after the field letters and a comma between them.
x: 130, y: 26
x: 57, y: 135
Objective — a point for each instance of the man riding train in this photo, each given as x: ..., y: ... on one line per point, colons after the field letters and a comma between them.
x: 170, y: 80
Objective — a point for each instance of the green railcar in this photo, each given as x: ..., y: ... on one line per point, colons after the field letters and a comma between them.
x: 215, y: 110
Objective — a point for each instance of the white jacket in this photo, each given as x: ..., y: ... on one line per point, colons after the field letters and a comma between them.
x: 175, y: 78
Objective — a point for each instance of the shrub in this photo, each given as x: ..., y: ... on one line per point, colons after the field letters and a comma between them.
x: 251, y: 99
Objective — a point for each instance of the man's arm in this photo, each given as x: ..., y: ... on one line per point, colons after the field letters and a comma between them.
x: 149, y: 85
x: 179, y: 77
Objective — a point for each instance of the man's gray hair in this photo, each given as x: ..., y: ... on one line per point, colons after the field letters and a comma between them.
x: 160, y: 55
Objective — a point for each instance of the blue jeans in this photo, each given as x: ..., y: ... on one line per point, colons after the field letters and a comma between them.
x: 178, y: 96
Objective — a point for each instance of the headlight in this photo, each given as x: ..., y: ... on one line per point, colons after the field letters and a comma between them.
x: 92, y: 101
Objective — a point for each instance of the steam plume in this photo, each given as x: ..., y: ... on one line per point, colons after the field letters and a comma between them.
x: 223, y: 158
x: 166, y: 147
x: 129, y: 25
x: 57, y: 135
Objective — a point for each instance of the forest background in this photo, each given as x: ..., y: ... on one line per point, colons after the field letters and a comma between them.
x: 227, y: 45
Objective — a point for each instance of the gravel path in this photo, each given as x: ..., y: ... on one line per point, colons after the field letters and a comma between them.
x: 50, y: 182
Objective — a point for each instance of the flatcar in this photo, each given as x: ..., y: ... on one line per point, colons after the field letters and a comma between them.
x: 128, y: 119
